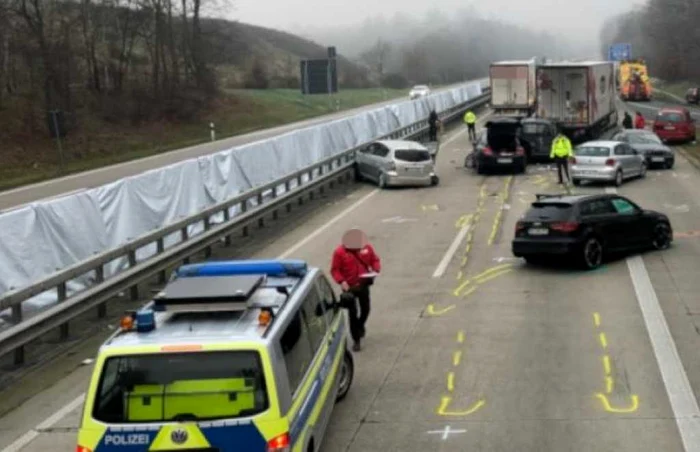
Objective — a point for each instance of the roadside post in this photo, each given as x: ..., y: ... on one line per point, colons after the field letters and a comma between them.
x: 57, y: 130
x: 212, y: 131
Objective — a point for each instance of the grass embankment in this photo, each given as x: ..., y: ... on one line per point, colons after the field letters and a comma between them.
x: 99, y: 143
x: 677, y: 89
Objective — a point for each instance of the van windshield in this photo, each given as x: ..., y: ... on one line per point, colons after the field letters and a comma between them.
x: 180, y: 386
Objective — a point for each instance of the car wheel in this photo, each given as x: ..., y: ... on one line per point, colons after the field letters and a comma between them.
x: 347, y: 373
x: 479, y: 168
x: 669, y: 164
x: 618, y: 178
x: 662, y: 236
x: 434, y: 180
x: 358, y: 174
x: 576, y: 182
x: 592, y: 253
x: 534, y: 260
x: 382, y: 180
x: 643, y: 171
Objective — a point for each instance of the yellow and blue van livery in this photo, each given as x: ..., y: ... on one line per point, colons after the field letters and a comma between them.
x: 230, y: 356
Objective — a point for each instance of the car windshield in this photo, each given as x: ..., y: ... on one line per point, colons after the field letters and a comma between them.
x: 670, y: 117
x: 412, y: 155
x: 592, y: 151
x: 177, y: 386
x: 643, y: 138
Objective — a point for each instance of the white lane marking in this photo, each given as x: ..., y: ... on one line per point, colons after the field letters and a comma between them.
x: 442, y: 266
x: 683, y: 402
x: 680, y: 394
x: 330, y: 223
x: 446, y: 432
x: 49, y: 422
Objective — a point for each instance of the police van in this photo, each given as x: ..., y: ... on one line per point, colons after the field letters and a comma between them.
x: 230, y: 356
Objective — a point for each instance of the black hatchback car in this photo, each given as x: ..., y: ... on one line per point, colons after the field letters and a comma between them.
x: 587, y: 227
x: 499, y: 147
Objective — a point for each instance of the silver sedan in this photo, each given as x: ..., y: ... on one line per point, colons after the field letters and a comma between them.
x: 610, y: 161
x: 395, y: 163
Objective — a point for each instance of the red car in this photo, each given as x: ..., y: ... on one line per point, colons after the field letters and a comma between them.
x: 675, y: 124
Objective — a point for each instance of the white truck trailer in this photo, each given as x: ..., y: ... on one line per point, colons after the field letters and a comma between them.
x: 579, y: 96
x: 514, y: 87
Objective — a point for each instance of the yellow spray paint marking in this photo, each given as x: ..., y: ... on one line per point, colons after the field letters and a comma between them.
x: 482, y: 278
x: 596, y: 319
x: 606, y: 364
x: 451, y: 381
x: 497, y: 220
x: 445, y: 404
x: 431, y: 310
x: 603, y: 340
x: 609, y: 408
x: 460, y: 337
x: 496, y: 275
x: 609, y: 383
x: 460, y: 275
x: 463, y: 221
x: 426, y: 208
x: 456, y: 358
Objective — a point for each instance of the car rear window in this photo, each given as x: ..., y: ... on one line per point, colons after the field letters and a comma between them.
x: 412, y: 155
x: 549, y: 211
x: 592, y: 151
x: 534, y: 129
x: 180, y: 386
x: 671, y: 117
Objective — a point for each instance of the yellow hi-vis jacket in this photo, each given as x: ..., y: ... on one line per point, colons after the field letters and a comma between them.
x: 469, y: 117
x: 561, y: 147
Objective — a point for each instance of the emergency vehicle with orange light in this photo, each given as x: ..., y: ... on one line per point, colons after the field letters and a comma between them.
x: 229, y: 356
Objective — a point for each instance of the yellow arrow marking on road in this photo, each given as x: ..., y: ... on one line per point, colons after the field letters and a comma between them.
x: 431, y: 310
x: 445, y: 404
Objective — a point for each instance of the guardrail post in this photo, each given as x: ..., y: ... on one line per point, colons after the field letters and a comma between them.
x: 185, y: 236
x: 133, y: 290
x: 311, y: 178
x: 207, y: 226
x: 275, y: 213
x: 160, y: 245
x: 16, y: 319
x: 322, y: 188
x: 227, y: 218
x: 244, y: 209
x: 100, y: 277
x: 287, y: 188
x: 299, y: 182
x: 261, y: 220
x: 62, y: 295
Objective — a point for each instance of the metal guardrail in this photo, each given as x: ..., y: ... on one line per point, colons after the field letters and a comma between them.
x: 326, y: 172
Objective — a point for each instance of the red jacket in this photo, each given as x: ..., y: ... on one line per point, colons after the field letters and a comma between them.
x: 639, y: 122
x: 348, y: 265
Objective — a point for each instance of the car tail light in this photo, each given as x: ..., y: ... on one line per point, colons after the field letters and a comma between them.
x: 487, y: 151
x: 573, y: 160
x: 565, y: 226
x: 519, y: 226
x: 391, y: 166
x: 520, y: 151
x: 82, y: 449
x: 610, y: 162
x: 279, y: 443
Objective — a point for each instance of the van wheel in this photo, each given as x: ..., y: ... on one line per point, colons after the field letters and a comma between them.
x: 347, y: 372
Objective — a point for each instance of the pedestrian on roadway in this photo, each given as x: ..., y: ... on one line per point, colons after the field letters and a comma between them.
x: 561, y: 152
x: 627, y: 121
x: 433, y: 124
x: 639, y: 122
x: 470, y: 121
x: 354, y: 266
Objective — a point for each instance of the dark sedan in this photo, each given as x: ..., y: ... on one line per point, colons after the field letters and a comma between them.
x: 587, y: 227
x: 498, y: 147
x: 648, y: 144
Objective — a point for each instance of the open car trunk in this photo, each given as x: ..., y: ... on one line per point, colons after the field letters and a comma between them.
x: 502, y: 137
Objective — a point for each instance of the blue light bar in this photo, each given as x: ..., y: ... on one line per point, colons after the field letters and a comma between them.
x: 275, y: 268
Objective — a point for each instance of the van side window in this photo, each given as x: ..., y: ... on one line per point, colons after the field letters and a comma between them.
x: 297, y: 350
x: 328, y: 298
x: 314, y: 314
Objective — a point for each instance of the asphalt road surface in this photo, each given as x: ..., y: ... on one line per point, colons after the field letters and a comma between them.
x: 105, y: 175
x: 470, y: 349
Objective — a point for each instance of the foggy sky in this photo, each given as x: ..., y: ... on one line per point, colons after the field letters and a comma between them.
x: 578, y: 19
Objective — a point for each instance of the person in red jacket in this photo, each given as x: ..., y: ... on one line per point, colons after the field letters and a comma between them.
x: 354, y: 265
x: 639, y: 122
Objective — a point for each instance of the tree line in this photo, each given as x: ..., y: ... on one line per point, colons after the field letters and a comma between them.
x: 663, y: 32
x: 120, y: 56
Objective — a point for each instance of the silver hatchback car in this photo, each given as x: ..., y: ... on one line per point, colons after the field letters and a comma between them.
x: 610, y: 161
x: 395, y: 163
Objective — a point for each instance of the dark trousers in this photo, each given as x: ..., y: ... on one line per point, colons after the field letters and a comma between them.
x: 432, y: 134
x: 358, y: 312
x: 562, y: 163
x: 472, y: 131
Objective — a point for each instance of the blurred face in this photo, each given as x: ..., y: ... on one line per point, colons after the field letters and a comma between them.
x: 354, y: 239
